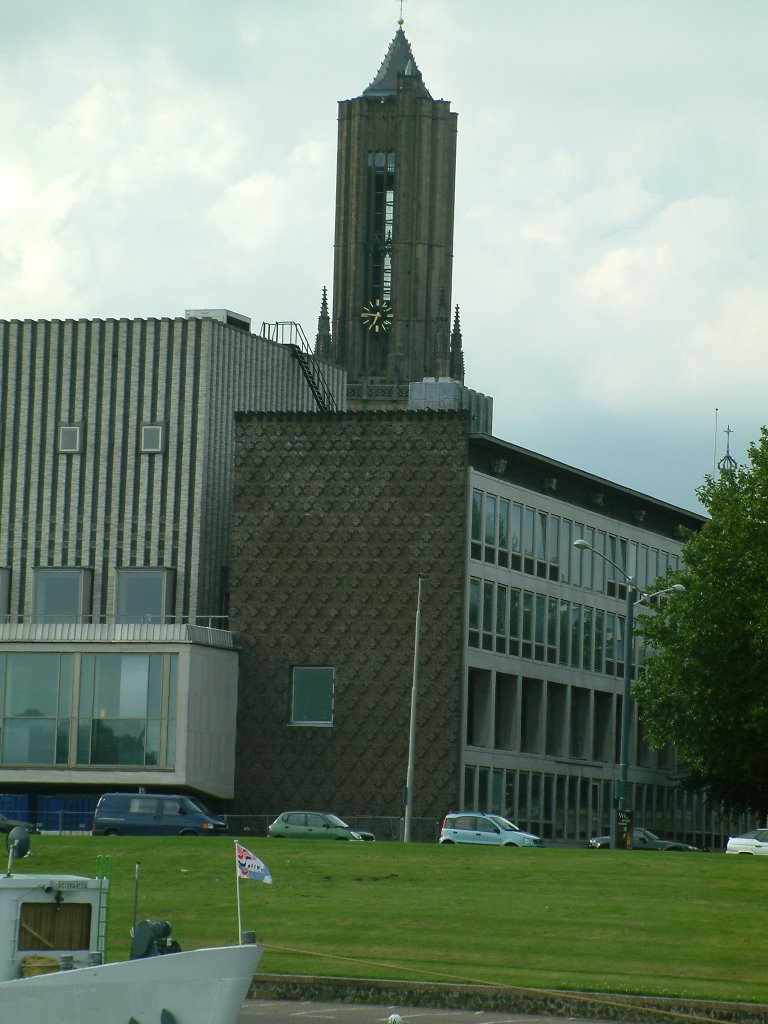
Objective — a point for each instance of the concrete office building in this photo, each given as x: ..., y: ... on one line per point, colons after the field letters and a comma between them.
x: 117, y: 666
x: 520, y: 673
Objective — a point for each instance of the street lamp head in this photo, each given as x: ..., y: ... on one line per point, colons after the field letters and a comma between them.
x: 580, y: 543
x: 678, y: 588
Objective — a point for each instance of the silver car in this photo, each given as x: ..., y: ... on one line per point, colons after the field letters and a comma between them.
x: 750, y: 842
x: 484, y: 830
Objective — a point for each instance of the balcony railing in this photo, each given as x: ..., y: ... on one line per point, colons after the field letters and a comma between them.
x: 209, y: 630
x: 211, y: 621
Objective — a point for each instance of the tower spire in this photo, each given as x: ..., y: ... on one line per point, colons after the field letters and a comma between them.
x: 727, y: 465
x: 457, y: 351
x: 323, y: 336
x: 399, y: 61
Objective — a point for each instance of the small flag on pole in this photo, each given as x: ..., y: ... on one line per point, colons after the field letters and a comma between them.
x: 249, y: 866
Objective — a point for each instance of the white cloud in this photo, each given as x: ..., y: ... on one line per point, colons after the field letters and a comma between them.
x: 610, y: 254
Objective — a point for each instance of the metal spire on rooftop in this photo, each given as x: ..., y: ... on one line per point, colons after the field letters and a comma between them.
x: 728, y: 465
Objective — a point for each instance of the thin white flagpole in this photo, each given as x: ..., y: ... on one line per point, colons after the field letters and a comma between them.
x: 239, y: 916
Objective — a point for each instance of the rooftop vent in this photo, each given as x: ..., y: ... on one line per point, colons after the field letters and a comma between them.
x: 225, y: 316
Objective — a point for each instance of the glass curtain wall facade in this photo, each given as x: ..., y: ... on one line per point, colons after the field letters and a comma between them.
x: 85, y: 708
x: 545, y: 657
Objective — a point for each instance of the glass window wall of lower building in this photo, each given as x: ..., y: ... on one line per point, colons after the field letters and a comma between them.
x: 76, y: 709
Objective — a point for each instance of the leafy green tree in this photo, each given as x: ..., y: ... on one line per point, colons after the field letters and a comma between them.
x: 705, y: 688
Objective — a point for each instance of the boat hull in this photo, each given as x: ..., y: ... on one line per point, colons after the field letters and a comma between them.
x: 202, y: 986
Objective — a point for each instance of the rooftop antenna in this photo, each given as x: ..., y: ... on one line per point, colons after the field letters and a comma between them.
x: 714, y: 454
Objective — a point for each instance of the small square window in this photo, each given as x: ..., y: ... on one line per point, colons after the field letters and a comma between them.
x: 69, y: 438
x: 144, y: 594
x: 152, y: 437
x: 62, y: 594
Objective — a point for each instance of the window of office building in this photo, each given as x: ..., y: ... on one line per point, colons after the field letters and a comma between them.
x: 312, y: 695
x: 70, y: 438
x: 504, y: 531
x: 514, y: 620
x: 126, y: 709
x: 501, y: 619
x: 490, y: 528
x: 143, y: 595
x: 36, y: 702
x: 124, y: 701
x: 488, y: 616
x: 552, y: 624
x: 61, y: 595
x: 529, y: 521
x: 516, y: 539
x: 477, y: 524
x: 474, y: 613
x: 152, y: 438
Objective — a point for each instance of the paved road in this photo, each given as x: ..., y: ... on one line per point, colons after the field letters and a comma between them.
x: 281, y: 1011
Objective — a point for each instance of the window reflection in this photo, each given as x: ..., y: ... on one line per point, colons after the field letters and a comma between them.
x: 141, y: 595
x: 127, y: 708
x: 61, y: 595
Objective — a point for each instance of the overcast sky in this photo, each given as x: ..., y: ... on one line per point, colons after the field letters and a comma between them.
x: 611, y: 240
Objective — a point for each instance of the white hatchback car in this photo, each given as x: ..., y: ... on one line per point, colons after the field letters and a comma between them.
x: 484, y: 830
x: 750, y: 842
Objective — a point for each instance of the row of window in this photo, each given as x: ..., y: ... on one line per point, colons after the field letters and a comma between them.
x: 71, y: 438
x: 537, y: 716
x: 382, y: 196
x: 563, y: 807
x: 509, y: 620
x: 88, y: 709
x: 65, y: 594
x: 517, y: 536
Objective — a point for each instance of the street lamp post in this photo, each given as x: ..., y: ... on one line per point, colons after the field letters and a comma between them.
x: 412, y: 729
x: 629, y: 660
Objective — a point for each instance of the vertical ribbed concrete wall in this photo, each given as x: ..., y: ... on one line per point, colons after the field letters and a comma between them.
x: 334, y: 517
x: 111, y: 505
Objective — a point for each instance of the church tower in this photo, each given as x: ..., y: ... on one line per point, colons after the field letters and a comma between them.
x: 393, y: 255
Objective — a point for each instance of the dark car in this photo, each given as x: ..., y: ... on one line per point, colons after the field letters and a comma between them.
x: 6, y: 824
x: 313, y: 825
x: 644, y: 839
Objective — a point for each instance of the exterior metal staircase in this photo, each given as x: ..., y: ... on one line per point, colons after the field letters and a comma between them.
x: 287, y: 332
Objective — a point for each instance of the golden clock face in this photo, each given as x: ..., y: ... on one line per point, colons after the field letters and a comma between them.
x: 377, y: 315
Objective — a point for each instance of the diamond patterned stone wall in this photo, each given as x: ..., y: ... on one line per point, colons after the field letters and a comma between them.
x: 334, y: 517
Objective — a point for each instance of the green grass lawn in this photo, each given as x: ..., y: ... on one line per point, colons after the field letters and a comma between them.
x: 598, y: 920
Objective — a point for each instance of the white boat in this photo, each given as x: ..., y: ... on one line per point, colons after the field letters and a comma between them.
x: 52, y: 936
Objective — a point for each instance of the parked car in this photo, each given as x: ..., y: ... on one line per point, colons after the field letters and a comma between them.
x: 644, y: 839
x: 153, y: 814
x: 484, y: 830
x: 314, y: 825
x: 6, y: 824
x: 750, y: 842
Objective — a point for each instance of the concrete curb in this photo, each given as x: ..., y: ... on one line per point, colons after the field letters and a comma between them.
x: 594, y: 1006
